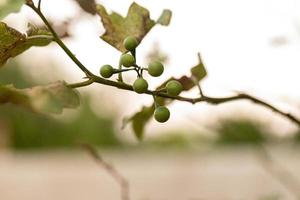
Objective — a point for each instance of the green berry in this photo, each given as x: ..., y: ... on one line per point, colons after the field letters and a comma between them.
x: 161, y: 114
x: 155, y: 68
x: 130, y: 43
x: 106, y: 71
x: 140, y: 85
x: 127, y: 60
x: 174, y: 88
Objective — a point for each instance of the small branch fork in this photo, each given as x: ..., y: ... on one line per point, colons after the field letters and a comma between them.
x: 115, y: 174
x: 92, y: 78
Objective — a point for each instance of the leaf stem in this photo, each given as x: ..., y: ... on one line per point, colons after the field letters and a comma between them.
x: 198, y: 86
x: 81, y: 84
x: 120, y: 76
x: 123, y: 70
x: 155, y: 101
x: 133, y: 53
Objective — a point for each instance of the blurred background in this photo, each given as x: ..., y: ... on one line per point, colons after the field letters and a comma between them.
x: 235, y: 150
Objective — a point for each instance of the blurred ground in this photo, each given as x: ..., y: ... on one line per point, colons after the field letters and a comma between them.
x: 212, y: 174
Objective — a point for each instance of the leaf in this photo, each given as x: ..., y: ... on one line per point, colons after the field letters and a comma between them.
x: 137, y: 23
x: 165, y: 17
x: 186, y: 82
x: 88, y: 6
x: 49, y: 98
x: 140, y: 119
x: 10, y: 6
x: 53, y: 97
x: 199, y: 71
x: 13, y: 43
x: 8, y: 95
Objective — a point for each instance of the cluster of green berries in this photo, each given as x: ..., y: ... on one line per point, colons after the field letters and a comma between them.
x: 140, y: 85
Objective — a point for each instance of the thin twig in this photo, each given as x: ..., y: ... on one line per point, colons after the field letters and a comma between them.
x: 120, y: 76
x: 58, y: 40
x: 123, y: 70
x: 197, y: 83
x: 111, y: 170
x: 124, y: 86
x: 278, y: 172
x: 81, y: 84
x: 133, y: 52
x: 243, y: 96
x: 39, y: 5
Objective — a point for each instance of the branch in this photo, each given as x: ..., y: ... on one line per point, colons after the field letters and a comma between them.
x: 124, y: 185
x: 210, y: 100
x: 37, y: 10
x: 243, y: 96
x: 121, y: 85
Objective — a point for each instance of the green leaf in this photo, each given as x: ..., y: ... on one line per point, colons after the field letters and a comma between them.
x: 139, y: 120
x: 165, y: 17
x: 137, y: 23
x: 199, y: 71
x: 9, y: 6
x: 13, y: 43
x: 49, y: 98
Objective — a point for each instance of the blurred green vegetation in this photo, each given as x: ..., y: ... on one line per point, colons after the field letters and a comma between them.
x: 172, y: 140
x: 178, y: 140
x: 29, y: 130
x: 241, y: 131
x: 32, y: 130
x: 230, y: 131
x: 297, y: 136
x: 12, y: 74
x: 35, y: 130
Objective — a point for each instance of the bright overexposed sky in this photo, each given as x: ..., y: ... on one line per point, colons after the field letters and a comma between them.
x: 234, y: 38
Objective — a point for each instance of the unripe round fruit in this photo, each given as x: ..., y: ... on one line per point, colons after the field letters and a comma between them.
x: 174, y: 88
x: 140, y: 85
x: 155, y: 68
x: 130, y: 43
x: 127, y: 60
x: 161, y: 114
x: 106, y: 71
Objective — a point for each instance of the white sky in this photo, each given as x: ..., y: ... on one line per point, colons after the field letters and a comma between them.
x: 233, y: 36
